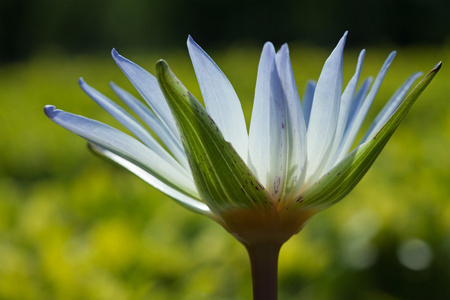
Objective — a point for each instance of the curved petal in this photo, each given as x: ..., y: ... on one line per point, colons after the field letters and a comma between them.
x: 264, y: 138
x: 355, y: 106
x: 340, y: 180
x: 143, y: 112
x: 391, y: 106
x: 126, y: 147
x: 294, y: 129
x: 353, y: 128
x: 324, y: 113
x: 128, y: 121
x: 221, y: 100
x: 223, y: 180
x: 188, y: 202
x: 148, y: 87
x: 344, y: 110
x: 308, y: 96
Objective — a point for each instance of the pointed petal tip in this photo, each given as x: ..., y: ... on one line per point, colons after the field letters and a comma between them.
x: 437, y: 66
x: 84, y: 86
x: 192, y: 45
x: 49, y: 111
x: 114, y: 52
x: 341, y: 44
x: 436, y: 69
x: 116, y: 56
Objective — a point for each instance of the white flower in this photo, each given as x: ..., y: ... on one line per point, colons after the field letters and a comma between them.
x: 265, y: 184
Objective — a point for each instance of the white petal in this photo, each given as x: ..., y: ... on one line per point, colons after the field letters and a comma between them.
x: 390, y: 107
x: 294, y: 129
x: 308, y: 96
x: 221, y: 100
x: 324, y: 113
x: 183, y: 199
x: 126, y: 120
x: 141, y: 110
x: 358, y: 100
x: 356, y: 122
x: 126, y: 147
x: 265, y: 124
x: 148, y: 87
x: 344, y: 110
x: 356, y: 104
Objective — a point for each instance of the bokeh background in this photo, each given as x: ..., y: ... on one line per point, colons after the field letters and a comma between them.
x: 73, y: 226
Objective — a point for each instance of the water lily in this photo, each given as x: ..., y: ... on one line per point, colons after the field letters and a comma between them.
x: 261, y: 185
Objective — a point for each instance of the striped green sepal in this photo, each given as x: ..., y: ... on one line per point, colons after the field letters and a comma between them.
x: 337, y: 183
x: 222, y: 178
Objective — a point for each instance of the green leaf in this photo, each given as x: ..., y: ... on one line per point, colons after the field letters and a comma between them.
x: 222, y: 178
x: 337, y: 183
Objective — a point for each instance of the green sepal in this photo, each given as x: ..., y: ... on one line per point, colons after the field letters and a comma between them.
x: 222, y: 178
x: 341, y: 179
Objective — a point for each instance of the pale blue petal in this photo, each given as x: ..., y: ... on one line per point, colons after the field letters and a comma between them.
x: 356, y: 104
x: 143, y: 112
x: 264, y: 126
x: 148, y: 87
x: 126, y: 147
x: 293, y: 129
x: 189, y: 202
x: 324, y: 113
x: 308, y: 96
x: 390, y: 107
x: 357, y: 101
x: 127, y: 120
x: 359, y: 117
x: 344, y: 110
x: 220, y: 99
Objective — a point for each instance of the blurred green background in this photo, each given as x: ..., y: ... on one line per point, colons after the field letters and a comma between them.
x: 73, y: 226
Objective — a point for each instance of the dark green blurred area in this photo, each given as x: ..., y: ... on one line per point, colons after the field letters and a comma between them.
x: 99, y: 25
x: 73, y: 226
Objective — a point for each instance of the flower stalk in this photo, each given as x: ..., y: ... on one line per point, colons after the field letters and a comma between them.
x: 264, y: 264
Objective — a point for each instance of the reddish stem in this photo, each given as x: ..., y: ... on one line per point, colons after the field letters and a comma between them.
x: 264, y: 263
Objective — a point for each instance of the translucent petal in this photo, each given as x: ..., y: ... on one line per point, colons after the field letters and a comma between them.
x: 126, y: 147
x: 308, y: 96
x: 223, y: 180
x: 294, y: 129
x: 147, y: 86
x: 128, y: 121
x: 190, y: 203
x: 221, y: 100
x: 266, y: 123
x: 143, y: 112
x: 345, y: 106
x: 391, y: 106
x: 359, y: 117
x: 341, y: 179
x: 324, y: 113
x: 356, y: 104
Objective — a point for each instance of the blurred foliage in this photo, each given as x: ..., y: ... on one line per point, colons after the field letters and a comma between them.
x: 75, y: 227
